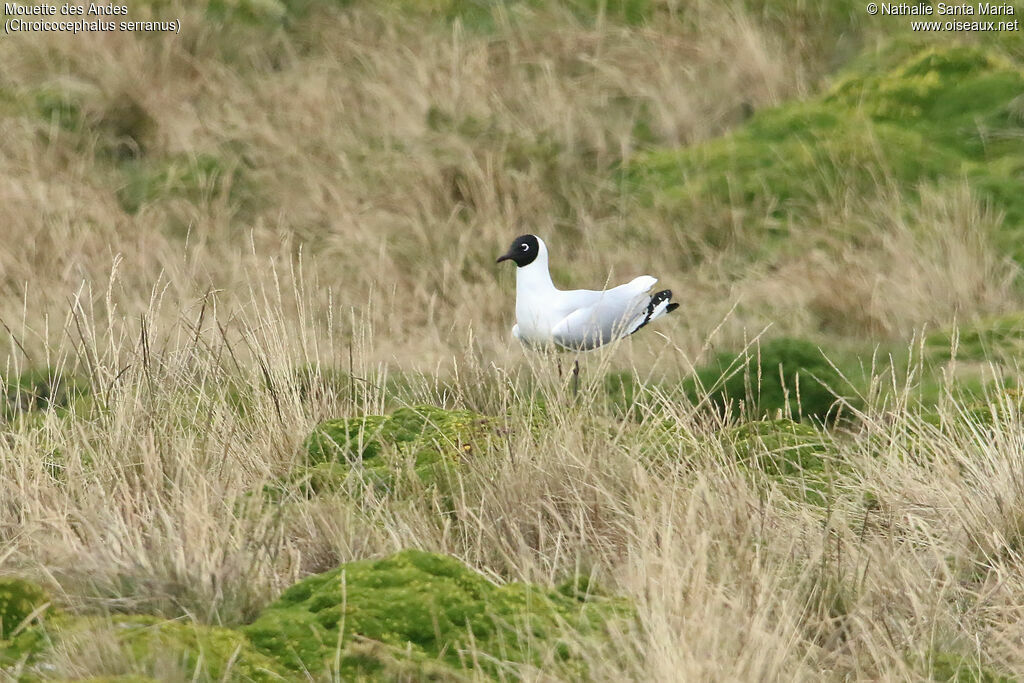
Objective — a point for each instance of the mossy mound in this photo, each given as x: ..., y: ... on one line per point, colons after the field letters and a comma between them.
x: 140, y: 646
x: 997, y: 340
x: 117, y: 121
x: 783, y: 377
x: 472, y: 14
x: 379, y: 448
x: 196, y: 178
x: 623, y: 389
x: 950, y: 667
x: 376, y: 618
x: 267, y: 13
x: 23, y: 605
x: 128, y: 678
x: 19, y: 600
x: 963, y: 97
x: 633, y: 12
x: 476, y: 15
x: 136, y: 646
x: 992, y: 409
x: 480, y: 14
x: 203, y: 652
x: 367, y: 437
x: 41, y: 389
x: 250, y: 11
x: 892, y: 122
x: 780, y: 447
x: 794, y: 455
x: 61, y: 102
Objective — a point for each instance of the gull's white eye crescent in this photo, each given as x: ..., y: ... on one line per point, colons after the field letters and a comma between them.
x: 526, y: 247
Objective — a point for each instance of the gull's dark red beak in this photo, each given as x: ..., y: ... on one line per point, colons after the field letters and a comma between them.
x: 504, y: 257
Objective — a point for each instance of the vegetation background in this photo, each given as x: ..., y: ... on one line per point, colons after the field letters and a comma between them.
x: 288, y: 214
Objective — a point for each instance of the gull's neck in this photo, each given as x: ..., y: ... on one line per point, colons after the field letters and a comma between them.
x: 535, y: 277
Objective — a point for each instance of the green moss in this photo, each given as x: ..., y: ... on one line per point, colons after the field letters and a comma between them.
x: 356, y: 438
x: 940, y: 113
x: 839, y: 13
x: 216, y: 652
x: 421, y: 609
x: 129, y: 678
x: 479, y: 15
x: 476, y: 15
x: 18, y: 601
x: 780, y: 447
x: 307, y: 481
x: 633, y: 12
x: 252, y: 11
x: 23, y: 605
x: 997, y: 339
x: 989, y: 408
x: 622, y: 389
x: 954, y: 668
x: 58, y: 107
x: 265, y: 13
x: 194, y: 178
x: 794, y: 455
x: 379, y: 448
x: 414, y: 446
x: 785, y: 164
x: 961, y: 97
x: 152, y: 646
x: 782, y: 377
x: 42, y: 389
x: 120, y: 124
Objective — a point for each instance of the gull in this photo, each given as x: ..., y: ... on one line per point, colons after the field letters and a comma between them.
x: 576, y: 319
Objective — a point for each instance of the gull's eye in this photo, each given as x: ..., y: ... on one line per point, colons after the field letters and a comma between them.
x: 526, y: 247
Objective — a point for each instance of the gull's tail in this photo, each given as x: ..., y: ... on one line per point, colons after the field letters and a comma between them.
x: 659, y: 305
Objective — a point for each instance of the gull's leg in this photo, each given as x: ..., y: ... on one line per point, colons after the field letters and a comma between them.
x: 575, y: 376
x: 558, y: 363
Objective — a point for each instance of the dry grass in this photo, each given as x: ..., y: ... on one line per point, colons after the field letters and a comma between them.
x: 369, y: 168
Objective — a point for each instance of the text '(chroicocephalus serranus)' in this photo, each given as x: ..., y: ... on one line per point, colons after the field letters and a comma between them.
x: 576, y: 319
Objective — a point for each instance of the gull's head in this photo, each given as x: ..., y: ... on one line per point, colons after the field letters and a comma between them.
x: 525, y: 250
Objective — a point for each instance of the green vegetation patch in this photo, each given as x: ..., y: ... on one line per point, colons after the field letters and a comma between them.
x: 122, y: 126
x: 963, y: 98
x: 41, y: 389
x: 955, y: 668
x: 380, y: 447
x: 267, y: 13
x: 783, y: 377
x: 633, y: 12
x: 22, y: 607
x: 478, y: 15
x: 153, y: 646
x: 624, y: 390
x: 251, y: 11
x: 19, y: 600
x: 997, y: 339
x: 483, y: 15
x: 198, y: 179
x: 144, y: 644
x: 982, y: 411
x: 379, y: 617
x: 127, y: 678
x: 940, y: 113
x: 793, y: 454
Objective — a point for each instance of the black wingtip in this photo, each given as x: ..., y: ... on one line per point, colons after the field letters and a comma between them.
x: 657, y: 299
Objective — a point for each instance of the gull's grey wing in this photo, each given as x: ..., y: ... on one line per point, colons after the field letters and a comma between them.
x: 614, y: 314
